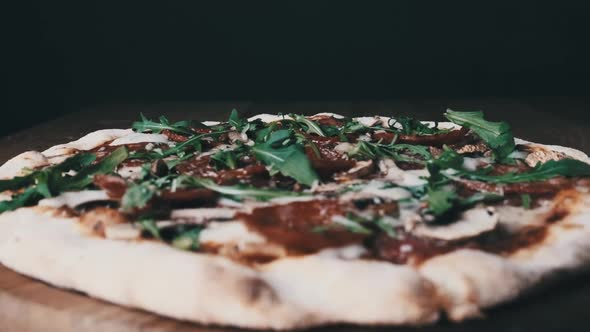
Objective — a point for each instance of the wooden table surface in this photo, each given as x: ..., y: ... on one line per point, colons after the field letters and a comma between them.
x: 30, y: 305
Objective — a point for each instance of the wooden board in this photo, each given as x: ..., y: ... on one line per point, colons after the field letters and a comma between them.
x: 30, y: 305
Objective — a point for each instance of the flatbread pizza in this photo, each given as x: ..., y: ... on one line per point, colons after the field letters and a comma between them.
x: 292, y: 221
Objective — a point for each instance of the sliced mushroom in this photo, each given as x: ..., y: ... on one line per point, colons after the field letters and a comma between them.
x: 126, y: 231
x: 360, y: 170
x: 542, y: 155
x: 472, y: 148
x: 472, y: 223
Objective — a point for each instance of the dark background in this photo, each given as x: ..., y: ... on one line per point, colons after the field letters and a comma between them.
x: 70, y: 56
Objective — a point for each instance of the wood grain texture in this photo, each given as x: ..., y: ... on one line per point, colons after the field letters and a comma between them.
x: 30, y: 305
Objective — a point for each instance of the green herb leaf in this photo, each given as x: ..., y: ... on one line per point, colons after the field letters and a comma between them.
x: 225, y: 159
x: 497, y: 135
x: 240, y: 191
x: 229, y: 158
x: 28, y: 197
x: 547, y: 170
x: 309, y: 126
x: 149, y: 225
x: 526, y: 201
x: 85, y: 176
x: 236, y: 121
x: 188, y: 239
x: 285, y: 157
x: 137, y: 196
x: 440, y: 200
x: 411, y: 126
x: 181, y: 127
x: 447, y: 159
x: 17, y: 182
x: 54, y: 180
x: 385, y: 227
x: 351, y: 225
x: 368, y: 150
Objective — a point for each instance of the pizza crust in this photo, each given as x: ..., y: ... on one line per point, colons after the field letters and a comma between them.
x: 293, y: 292
x: 289, y: 293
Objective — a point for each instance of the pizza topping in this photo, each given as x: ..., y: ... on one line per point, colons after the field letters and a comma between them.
x: 283, y: 154
x: 471, y: 223
x: 96, y: 220
x: 114, y: 186
x: 201, y: 215
x: 76, y: 199
x: 497, y: 135
x: 53, y: 180
x: 540, y: 155
x: 297, y: 225
x: 448, y: 137
x: 400, y: 190
x: 126, y: 231
x: 136, y: 138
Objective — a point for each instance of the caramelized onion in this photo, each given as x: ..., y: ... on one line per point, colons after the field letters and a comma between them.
x: 115, y: 186
x: 451, y: 137
x: 535, y: 188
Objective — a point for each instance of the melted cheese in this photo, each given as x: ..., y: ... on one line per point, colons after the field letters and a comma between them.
x: 229, y: 232
x: 73, y: 199
x: 400, y: 177
x: 471, y: 223
x: 140, y: 138
x: 130, y: 172
x: 354, y: 251
x: 125, y: 231
x: 202, y: 214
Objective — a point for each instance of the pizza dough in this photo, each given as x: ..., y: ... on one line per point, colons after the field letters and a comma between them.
x: 330, y: 286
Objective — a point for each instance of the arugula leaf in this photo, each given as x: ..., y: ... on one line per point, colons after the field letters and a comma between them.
x: 545, y: 171
x: 497, y: 135
x: 54, y: 180
x: 194, y: 142
x: 181, y: 127
x: 351, y: 224
x: 411, y: 126
x: 85, y: 176
x: 181, y: 236
x: 137, y: 196
x: 29, y: 196
x: 225, y: 158
x: 447, y: 159
x: 440, y: 200
x: 149, y: 225
x: 368, y: 150
x: 352, y: 126
x: 236, y: 121
x: 188, y: 239
x: 385, y: 227
x: 240, y: 191
x: 526, y: 201
x: 285, y: 157
x: 309, y: 126
x: 229, y: 158
x: 18, y: 182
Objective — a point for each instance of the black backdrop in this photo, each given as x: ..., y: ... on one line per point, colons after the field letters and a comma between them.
x: 68, y: 56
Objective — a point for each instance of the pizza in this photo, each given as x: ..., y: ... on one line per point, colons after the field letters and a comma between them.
x: 292, y: 221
